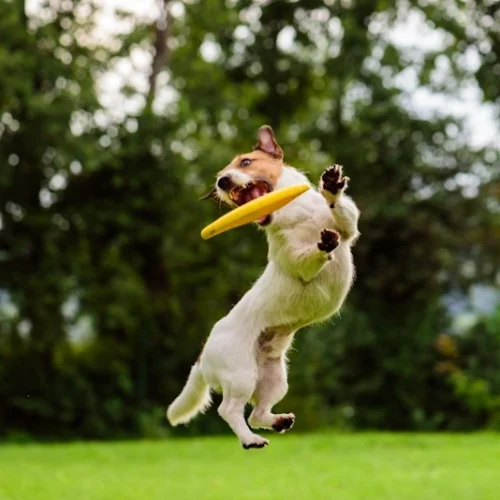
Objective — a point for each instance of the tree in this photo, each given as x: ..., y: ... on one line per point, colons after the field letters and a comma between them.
x: 101, y: 208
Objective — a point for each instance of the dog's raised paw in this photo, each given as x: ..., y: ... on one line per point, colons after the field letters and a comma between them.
x: 333, y: 180
x: 284, y: 423
x: 329, y: 240
x: 258, y: 442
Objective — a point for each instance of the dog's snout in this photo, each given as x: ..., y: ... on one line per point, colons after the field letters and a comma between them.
x: 224, y: 182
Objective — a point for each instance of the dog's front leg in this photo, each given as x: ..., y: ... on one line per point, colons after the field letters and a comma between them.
x: 310, y: 262
x: 332, y: 186
x: 303, y: 259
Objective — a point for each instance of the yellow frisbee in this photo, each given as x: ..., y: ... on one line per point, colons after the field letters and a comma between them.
x: 253, y: 210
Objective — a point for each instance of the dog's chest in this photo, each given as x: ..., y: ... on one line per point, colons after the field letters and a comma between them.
x: 289, y: 300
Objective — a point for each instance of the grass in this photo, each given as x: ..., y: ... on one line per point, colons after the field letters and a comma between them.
x: 318, y: 466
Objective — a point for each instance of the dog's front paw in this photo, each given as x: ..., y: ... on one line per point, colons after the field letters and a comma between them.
x: 329, y: 240
x: 333, y: 183
x: 256, y: 442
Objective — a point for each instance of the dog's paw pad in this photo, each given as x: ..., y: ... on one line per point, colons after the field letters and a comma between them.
x: 333, y: 180
x: 329, y: 240
x: 258, y: 442
x: 284, y: 423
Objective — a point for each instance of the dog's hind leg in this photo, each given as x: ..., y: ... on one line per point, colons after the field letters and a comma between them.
x: 271, y: 388
x: 232, y: 410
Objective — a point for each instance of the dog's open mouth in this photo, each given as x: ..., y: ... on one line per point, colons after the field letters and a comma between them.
x: 251, y: 191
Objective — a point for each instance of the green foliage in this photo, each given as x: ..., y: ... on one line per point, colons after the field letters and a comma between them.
x: 471, y: 369
x: 107, y: 291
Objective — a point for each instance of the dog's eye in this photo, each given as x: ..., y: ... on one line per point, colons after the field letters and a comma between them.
x: 246, y: 162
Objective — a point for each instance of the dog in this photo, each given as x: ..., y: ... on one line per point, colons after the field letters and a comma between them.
x: 309, y: 273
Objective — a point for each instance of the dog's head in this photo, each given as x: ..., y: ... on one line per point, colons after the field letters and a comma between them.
x: 251, y: 175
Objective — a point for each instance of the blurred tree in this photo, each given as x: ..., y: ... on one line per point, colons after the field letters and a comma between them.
x: 46, y: 80
x: 100, y: 219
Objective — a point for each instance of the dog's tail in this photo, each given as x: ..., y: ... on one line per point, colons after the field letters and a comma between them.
x: 194, y: 398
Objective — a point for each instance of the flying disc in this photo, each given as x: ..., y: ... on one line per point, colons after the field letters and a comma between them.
x: 254, y: 210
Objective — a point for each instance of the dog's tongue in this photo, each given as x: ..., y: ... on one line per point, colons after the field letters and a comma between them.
x: 256, y: 192
x: 252, y: 194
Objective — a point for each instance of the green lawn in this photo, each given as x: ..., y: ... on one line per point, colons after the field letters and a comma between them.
x: 318, y: 466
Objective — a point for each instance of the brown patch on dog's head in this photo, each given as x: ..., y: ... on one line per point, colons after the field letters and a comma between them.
x: 258, y: 165
x: 250, y: 175
x: 264, y: 162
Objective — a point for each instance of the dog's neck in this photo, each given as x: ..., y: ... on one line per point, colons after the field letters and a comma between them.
x: 296, y: 210
x: 291, y: 176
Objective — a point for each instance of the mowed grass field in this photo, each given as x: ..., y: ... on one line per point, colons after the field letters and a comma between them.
x: 317, y: 466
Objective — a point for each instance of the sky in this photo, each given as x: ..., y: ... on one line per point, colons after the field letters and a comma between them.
x: 412, y: 36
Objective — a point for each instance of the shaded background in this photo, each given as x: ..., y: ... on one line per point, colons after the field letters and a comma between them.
x: 114, y: 118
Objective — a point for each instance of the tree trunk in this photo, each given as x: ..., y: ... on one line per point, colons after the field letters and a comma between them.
x: 163, y: 30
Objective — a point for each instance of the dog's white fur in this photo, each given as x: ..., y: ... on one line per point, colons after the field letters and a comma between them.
x: 245, y: 354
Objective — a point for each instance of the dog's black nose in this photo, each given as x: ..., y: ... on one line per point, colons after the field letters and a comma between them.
x: 224, y: 182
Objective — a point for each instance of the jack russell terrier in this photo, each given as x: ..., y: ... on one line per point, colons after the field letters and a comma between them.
x: 309, y: 273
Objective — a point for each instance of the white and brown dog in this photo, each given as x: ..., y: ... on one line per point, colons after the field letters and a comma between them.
x: 307, y: 278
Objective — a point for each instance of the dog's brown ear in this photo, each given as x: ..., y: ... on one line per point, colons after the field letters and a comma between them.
x: 267, y: 142
x: 212, y: 195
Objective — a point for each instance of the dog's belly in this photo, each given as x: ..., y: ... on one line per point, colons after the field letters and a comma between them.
x: 269, y: 314
x: 291, y: 301
x: 292, y: 310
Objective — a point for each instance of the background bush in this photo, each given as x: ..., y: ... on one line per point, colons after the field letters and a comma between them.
x: 107, y: 291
